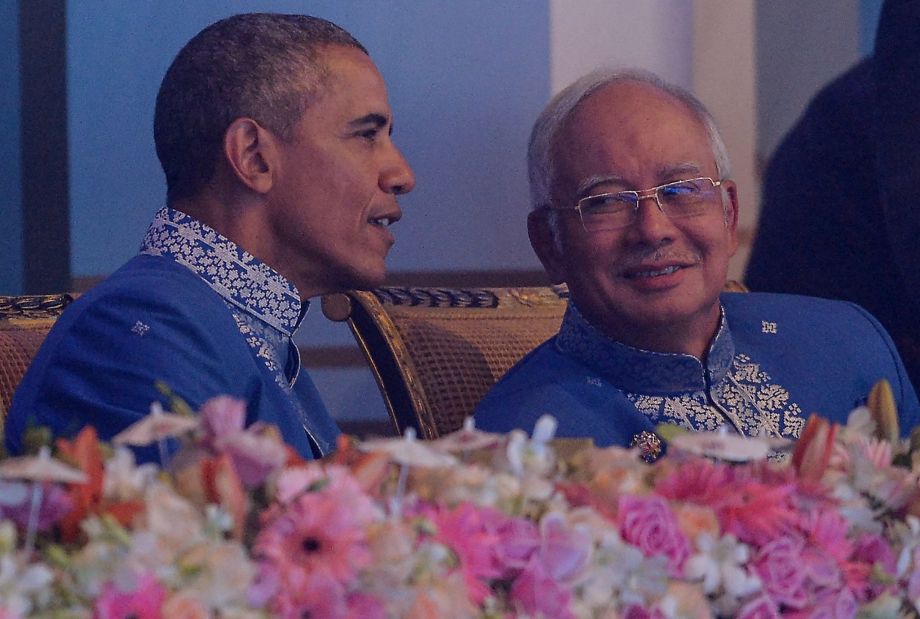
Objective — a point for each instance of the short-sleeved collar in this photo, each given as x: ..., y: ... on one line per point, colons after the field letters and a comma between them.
x: 642, y: 371
x: 240, y: 278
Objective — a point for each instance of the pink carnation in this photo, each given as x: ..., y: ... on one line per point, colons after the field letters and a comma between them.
x: 649, y: 524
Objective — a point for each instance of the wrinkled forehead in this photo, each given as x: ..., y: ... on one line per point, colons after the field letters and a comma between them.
x: 633, y: 126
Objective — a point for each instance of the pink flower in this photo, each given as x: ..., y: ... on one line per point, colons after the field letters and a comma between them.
x: 870, y: 551
x: 472, y: 533
x: 637, y: 612
x: 761, y: 607
x: 315, y: 540
x: 518, y: 539
x: 538, y: 593
x: 361, y: 606
x: 913, y: 583
x: 255, y: 452
x: 317, y: 594
x: 779, y: 566
x: 564, y: 550
x: 221, y: 417
x: 750, y: 502
x: 144, y: 601
x: 649, y: 524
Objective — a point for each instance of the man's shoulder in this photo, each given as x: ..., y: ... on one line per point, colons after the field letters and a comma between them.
x: 809, y: 327
x: 148, y: 276
x: 542, y: 382
x: 759, y: 307
x: 150, y: 285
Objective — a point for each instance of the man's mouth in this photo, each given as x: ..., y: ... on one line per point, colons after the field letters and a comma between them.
x: 653, y: 273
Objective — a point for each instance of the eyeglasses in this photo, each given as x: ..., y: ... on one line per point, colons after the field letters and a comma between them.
x: 610, y: 211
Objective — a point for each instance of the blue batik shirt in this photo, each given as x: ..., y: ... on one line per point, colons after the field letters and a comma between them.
x: 192, y: 310
x: 774, y: 360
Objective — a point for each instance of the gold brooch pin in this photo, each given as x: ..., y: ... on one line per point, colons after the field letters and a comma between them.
x: 649, y: 445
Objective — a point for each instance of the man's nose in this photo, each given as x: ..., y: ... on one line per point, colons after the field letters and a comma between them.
x: 397, y: 177
x: 651, y: 223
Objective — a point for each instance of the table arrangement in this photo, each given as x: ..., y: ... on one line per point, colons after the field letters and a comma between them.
x: 232, y: 523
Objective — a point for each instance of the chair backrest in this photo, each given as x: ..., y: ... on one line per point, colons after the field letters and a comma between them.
x: 436, y: 351
x: 24, y: 323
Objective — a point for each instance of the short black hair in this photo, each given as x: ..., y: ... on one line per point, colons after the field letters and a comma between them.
x: 264, y: 66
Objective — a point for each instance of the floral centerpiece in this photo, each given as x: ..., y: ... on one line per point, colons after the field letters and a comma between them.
x: 472, y: 525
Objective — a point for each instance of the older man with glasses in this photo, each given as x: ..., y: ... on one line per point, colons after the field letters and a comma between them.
x: 635, y: 211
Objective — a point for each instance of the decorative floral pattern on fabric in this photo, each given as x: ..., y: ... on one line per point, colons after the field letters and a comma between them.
x: 749, y: 401
x: 234, y: 274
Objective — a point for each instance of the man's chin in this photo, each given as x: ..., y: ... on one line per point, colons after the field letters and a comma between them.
x: 365, y: 280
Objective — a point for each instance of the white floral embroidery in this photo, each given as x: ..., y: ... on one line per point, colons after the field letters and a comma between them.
x: 265, y: 306
x: 762, y: 408
x: 235, y: 274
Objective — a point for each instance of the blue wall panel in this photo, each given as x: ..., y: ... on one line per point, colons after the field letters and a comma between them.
x: 10, y: 170
x: 466, y: 81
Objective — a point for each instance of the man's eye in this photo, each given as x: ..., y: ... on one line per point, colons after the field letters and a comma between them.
x: 681, y: 190
x: 607, y: 201
x: 369, y: 134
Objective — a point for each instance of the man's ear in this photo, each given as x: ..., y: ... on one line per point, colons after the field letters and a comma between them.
x: 544, y: 243
x: 250, y: 152
x: 730, y: 207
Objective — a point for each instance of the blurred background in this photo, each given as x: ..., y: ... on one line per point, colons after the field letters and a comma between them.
x: 80, y: 179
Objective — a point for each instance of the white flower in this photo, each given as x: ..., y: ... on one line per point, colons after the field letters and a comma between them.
x: 907, y: 536
x: 720, y: 564
x: 124, y: 480
x: 21, y: 586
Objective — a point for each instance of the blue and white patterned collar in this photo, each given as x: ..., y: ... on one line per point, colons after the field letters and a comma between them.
x: 642, y: 371
x: 237, y: 276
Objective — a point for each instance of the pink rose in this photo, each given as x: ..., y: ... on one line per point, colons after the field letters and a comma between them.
x: 649, y: 524
x: 780, y: 567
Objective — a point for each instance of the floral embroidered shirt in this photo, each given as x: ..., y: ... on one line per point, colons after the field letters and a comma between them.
x: 774, y: 360
x: 192, y: 311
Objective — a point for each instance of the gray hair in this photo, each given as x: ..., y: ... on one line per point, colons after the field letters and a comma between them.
x: 541, y: 164
x: 264, y: 66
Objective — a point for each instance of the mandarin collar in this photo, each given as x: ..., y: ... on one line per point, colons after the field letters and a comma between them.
x: 239, y: 277
x: 643, y: 371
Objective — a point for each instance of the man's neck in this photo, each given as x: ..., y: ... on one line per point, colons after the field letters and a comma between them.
x: 689, y: 338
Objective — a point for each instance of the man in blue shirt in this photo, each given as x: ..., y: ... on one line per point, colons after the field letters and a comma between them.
x: 635, y: 210
x: 274, y: 135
